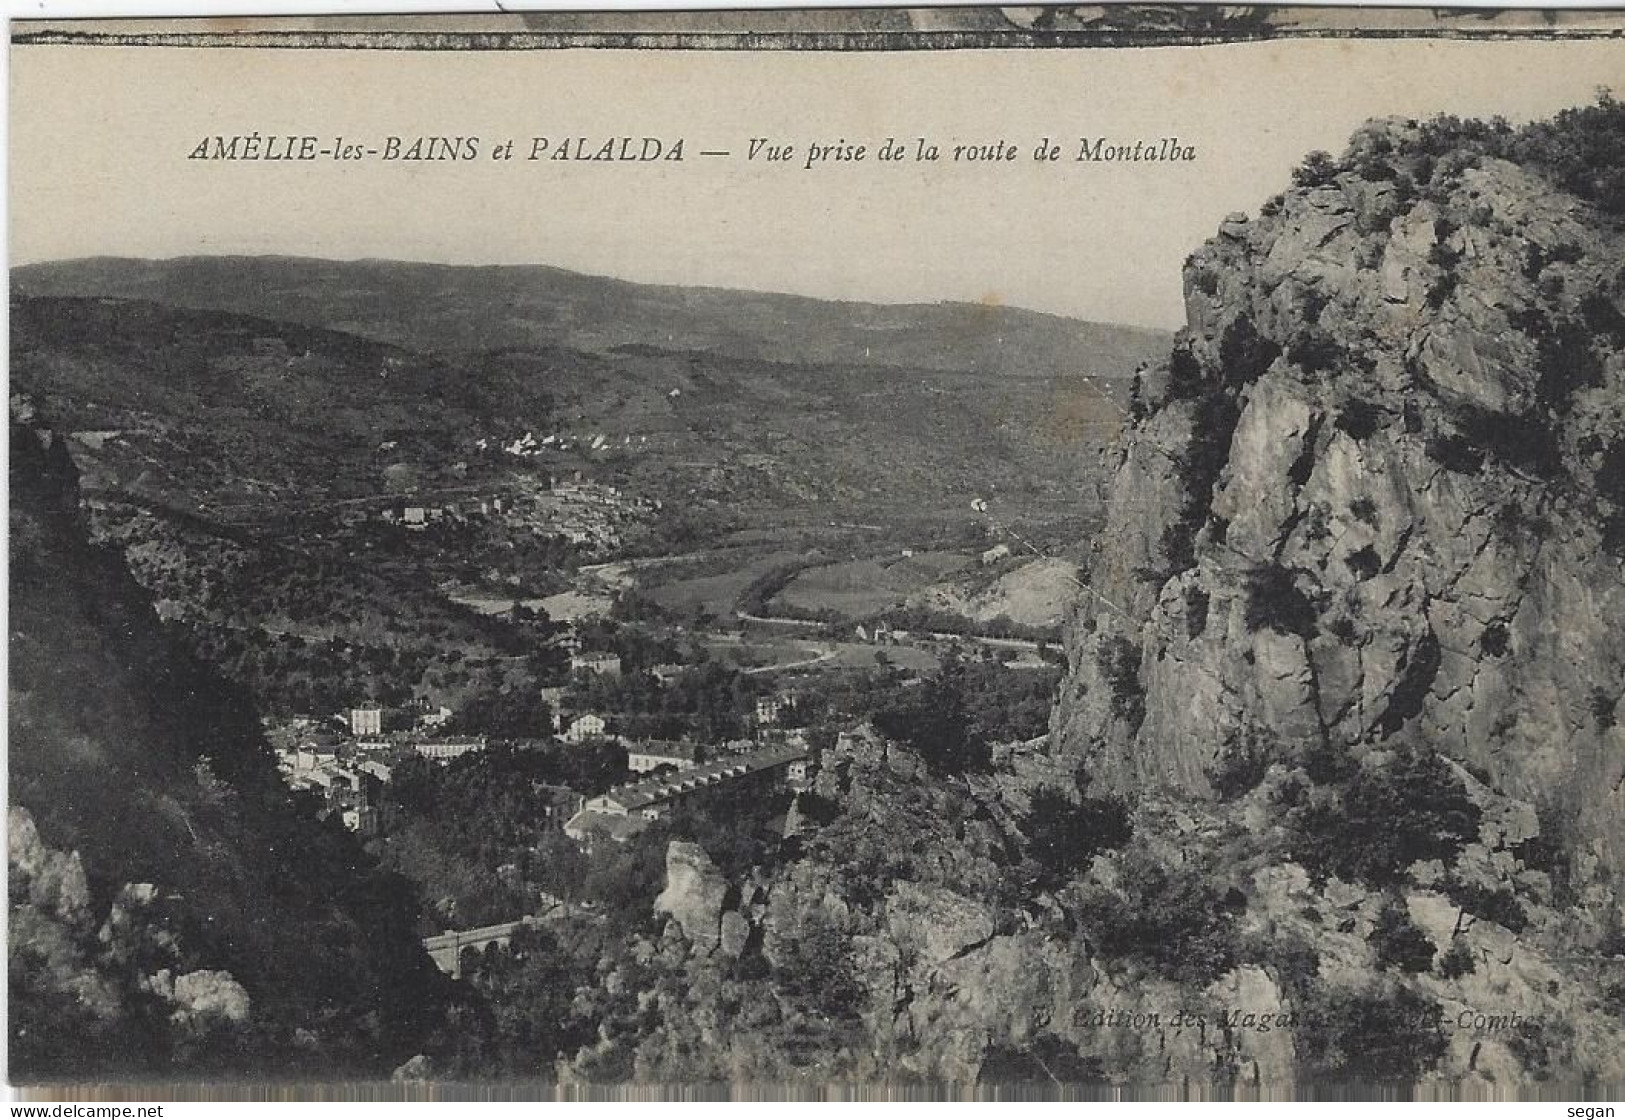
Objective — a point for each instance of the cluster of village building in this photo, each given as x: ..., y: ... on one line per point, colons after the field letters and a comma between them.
x: 589, y: 514
x: 348, y: 759
x: 348, y: 768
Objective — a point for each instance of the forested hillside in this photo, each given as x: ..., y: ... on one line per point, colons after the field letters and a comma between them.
x: 173, y: 907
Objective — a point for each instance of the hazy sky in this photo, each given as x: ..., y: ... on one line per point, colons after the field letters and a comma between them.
x: 100, y: 137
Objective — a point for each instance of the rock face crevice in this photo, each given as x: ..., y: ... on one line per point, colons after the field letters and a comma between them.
x: 1369, y: 496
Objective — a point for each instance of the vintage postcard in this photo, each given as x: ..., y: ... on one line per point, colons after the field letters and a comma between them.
x: 1026, y: 552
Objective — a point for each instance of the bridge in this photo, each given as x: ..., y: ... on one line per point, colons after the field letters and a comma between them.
x: 446, y: 949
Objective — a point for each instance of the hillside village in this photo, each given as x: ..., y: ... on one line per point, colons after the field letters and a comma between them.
x: 347, y: 758
x: 592, y: 516
x: 765, y: 732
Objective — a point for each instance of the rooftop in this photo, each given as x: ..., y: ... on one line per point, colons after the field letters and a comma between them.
x: 612, y: 826
x: 653, y: 791
x: 666, y: 748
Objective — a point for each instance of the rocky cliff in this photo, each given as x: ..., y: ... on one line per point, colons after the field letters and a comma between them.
x: 1349, y: 655
x: 1377, y: 497
x: 900, y: 942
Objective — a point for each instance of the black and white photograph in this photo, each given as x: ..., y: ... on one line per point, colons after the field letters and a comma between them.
x: 1065, y: 553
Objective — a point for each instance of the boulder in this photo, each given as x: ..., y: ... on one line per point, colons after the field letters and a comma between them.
x: 694, y: 894
x: 733, y: 934
x: 938, y: 923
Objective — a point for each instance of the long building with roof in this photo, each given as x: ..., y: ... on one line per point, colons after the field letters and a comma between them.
x: 623, y: 811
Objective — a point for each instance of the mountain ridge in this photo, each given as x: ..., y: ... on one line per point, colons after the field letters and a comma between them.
x: 354, y: 414
x: 450, y: 309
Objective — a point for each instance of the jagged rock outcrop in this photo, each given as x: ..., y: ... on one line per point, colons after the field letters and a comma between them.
x: 694, y: 894
x: 1378, y: 496
x: 900, y: 947
x: 903, y: 939
x: 935, y: 924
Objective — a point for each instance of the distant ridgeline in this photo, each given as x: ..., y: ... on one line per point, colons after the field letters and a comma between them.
x: 383, y: 378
